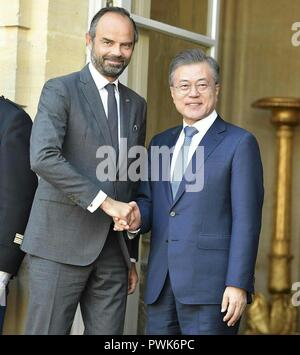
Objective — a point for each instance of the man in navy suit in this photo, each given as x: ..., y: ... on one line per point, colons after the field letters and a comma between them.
x: 204, y: 242
x: 17, y: 187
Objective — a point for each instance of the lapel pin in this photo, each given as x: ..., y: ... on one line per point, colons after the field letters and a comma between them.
x: 135, y: 128
x: 127, y: 100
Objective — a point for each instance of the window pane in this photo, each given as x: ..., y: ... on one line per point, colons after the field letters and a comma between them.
x: 161, y: 111
x: 190, y: 15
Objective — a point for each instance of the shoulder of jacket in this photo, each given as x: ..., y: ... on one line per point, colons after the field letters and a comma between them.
x: 64, y: 78
x: 11, y: 103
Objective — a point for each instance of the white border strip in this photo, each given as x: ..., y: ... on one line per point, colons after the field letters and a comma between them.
x: 173, y: 31
x: 214, y: 18
x: 126, y: 4
x: 94, y: 6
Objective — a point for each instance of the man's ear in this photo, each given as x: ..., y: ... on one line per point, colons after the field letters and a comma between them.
x: 88, y: 40
x: 172, y: 92
x: 218, y: 87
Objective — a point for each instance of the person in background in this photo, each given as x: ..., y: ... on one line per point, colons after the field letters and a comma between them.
x: 17, y: 187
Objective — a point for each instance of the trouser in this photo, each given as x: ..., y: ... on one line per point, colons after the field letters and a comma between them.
x: 2, y: 314
x: 167, y: 316
x: 100, y: 288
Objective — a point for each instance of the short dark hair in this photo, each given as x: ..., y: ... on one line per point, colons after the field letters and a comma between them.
x: 116, y: 10
x: 193, y: 56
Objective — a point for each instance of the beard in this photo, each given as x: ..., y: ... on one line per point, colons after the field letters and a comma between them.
x: 108, y: 69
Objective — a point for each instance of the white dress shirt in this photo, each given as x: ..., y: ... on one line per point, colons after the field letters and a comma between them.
x: 101, y: 82
x: 202, y: 126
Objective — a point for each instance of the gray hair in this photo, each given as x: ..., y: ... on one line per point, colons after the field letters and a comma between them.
x: 193, y: 56
x: 116, y: 10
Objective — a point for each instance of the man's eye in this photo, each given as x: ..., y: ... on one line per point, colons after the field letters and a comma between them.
x: 184, y: 87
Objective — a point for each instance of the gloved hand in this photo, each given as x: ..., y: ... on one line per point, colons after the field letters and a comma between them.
x: 4, y: 278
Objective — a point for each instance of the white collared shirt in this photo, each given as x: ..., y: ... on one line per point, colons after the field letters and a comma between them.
x: 101, y: 82
x: 202, y: 126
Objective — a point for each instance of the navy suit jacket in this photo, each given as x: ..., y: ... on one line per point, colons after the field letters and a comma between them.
x: 17, y: 182
x: 206, y: 240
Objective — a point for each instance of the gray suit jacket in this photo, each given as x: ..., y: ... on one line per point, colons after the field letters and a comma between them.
x: 69, y: 128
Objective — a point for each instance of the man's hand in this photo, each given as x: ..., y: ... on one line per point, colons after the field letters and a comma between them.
x: 234, y: 302
x: 133, y: 279
x: 120, y: 210
x: 133, y: 223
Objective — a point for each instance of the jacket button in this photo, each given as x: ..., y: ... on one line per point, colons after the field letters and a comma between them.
x: 172, y: 214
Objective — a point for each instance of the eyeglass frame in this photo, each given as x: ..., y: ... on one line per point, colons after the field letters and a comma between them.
x: 208, y: 85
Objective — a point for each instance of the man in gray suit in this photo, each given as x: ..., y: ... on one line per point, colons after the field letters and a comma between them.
x: 75, y: 257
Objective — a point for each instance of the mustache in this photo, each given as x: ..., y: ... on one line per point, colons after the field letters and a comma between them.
x: 115, y: 59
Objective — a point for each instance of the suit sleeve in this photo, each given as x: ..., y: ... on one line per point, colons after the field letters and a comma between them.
x: 133, y: 246
x: 17, y: 187
x: 47, y: 140
x: 247, y: 195
x: 134, y: 243
x: 144, y: 198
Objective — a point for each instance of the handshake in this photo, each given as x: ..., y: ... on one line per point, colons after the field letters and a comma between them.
x: 125, y: 215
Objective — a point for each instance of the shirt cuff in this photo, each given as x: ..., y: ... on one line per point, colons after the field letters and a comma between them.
x: 132, y: 234
x: 97, y: 202
x: 133, y: 260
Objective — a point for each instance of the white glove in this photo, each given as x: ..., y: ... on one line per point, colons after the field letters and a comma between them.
x: 4, y: 278
x: 2, y: 295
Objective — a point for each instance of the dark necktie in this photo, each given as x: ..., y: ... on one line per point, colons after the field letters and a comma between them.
x: 112, y: 116
x: 182, y: 159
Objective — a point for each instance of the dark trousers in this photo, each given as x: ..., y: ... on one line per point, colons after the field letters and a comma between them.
x: 2, y: 314
x: 167, y: 316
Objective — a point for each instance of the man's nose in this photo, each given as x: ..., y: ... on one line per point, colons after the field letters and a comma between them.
x: 116, y: 50
x: 194, y: 91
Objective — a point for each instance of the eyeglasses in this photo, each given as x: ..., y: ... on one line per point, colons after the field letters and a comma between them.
x: 186, y: 88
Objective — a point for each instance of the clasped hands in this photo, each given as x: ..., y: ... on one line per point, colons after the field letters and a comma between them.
x: 126, y: 216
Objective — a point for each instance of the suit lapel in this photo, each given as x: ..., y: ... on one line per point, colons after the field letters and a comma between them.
x: 93, y: 99
x: 125, y: 119
x: 170, y: 143
x: 210, y: 141
x: 213, y: 137
x: 125, y: 130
